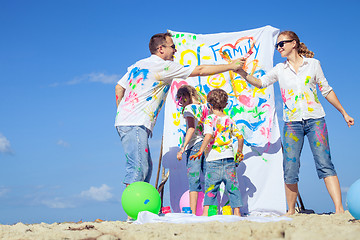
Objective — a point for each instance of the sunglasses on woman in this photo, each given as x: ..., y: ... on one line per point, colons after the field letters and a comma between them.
x: 281, y: 43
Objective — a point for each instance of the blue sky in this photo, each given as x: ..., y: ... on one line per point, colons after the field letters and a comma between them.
x: 61, y: 158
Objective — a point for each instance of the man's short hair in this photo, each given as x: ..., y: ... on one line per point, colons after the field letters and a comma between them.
x: 157, y: 40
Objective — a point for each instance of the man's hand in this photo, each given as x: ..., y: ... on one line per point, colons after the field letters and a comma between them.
x: 238, y: 64
x: 119, y: 94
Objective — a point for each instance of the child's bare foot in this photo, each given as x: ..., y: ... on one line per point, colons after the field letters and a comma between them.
x: 237, y: 212
x: 205, y: 211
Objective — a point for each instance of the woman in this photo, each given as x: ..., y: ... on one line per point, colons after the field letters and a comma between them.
x: 303, y: 114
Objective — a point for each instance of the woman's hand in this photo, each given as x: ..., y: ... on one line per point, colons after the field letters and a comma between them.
x: 349, y: 120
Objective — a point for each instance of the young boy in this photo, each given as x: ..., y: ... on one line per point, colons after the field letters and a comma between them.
x: 220, y: 165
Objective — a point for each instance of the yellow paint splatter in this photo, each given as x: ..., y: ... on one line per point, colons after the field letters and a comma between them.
x: 292, y: 136
x: 259, y: 91
x: 212, y: 186
x: 176, y: 117
x: 216, y: 81
x: 157, y: 76
x: 240, y: 85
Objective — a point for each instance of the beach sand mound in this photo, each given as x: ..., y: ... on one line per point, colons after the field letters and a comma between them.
x: 303, y: 226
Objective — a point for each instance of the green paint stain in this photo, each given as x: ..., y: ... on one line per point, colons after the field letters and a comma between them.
x: 194, y: 174
x: 236, y: 110
x: 256, y: 112
x: 233, y: 188
x: 316, y: 97
x: 259, y: 154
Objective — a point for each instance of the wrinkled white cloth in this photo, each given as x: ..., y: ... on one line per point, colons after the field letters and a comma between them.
x: 148, y: 217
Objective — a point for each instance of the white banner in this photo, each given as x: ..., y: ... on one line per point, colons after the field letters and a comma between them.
x: 260, y: 174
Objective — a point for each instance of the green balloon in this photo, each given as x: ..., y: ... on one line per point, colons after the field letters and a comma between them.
x: 138, y: 197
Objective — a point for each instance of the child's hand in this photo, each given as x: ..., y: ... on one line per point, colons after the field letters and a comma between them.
x: 239, y: 157
x: 180, y: 153
x: 196, y: 156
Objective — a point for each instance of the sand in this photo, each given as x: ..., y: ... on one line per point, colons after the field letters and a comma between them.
x: 303, y: 226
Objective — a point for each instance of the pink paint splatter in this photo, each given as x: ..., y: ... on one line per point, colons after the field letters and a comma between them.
x: 283, y: 95
x: 210, y: 195
x: 247, y: 101
x: 321, y: 136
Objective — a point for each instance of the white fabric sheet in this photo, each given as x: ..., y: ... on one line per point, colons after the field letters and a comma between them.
x: 260, y: 174
x: 148, y: 217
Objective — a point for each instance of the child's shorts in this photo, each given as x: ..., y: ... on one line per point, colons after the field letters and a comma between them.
x: 194, y: 168
x: 222, y: 170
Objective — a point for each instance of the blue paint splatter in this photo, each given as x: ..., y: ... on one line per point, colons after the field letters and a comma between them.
x: 146, y: 201
x: 135, y: 72
x: 251, y: 126
x: 261, y: 101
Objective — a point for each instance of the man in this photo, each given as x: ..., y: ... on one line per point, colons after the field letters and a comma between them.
x: 141, y: 93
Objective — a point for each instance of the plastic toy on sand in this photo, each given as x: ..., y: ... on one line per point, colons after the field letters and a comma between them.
x: 185, y: 202
x: 353, y: 199
x: 138, y: 197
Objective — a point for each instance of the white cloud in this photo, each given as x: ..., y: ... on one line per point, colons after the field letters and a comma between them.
x: 5, y: 146
x: 57, y: 203
x: 63, y: 143
x: 100, y: 194
x: 95, y: 77
x: 91, y: 77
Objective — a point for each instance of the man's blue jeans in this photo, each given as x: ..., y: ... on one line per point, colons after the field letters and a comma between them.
x: 136, y: 148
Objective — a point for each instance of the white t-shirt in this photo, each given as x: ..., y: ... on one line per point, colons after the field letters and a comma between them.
x: 147, y: 83
x: 222, y: 129
x: 298, y: 90
x: 199, y: 112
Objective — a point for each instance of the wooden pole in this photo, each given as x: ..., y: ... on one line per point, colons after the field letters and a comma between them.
x: 159, y: 165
